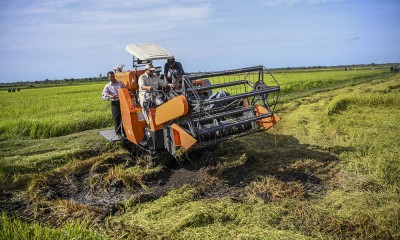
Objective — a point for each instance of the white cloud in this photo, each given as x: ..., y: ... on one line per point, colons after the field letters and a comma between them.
x: 297, y: 2
x: 44, y: 23
x: 178, y: 13
x: 103, y: 14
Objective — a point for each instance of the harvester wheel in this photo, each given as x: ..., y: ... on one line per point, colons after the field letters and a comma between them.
x: 260, y: 86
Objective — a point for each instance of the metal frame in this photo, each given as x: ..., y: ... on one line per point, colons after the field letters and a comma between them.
x: 202, y: 123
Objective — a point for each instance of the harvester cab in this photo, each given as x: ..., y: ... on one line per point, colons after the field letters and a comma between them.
x: 207, y: 108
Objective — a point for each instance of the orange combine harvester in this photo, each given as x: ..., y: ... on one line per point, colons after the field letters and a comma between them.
x: 206, y: 108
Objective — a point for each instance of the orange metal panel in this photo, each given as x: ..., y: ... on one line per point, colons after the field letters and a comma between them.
x: 174, y: 108
x: 130, y: 78
x: 126, y: 78
x: 199, y: 82
x: 269, y: 121
x: 181, y: 137
x: 134, y: 129
x: 152, y: 114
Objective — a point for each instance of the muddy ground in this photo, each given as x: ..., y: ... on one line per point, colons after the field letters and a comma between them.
x: 83, y: 191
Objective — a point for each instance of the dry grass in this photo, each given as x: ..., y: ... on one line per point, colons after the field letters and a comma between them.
x: 131, y: 176
x: 270, y: 189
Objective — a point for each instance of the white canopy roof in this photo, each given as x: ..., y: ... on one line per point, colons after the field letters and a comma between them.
x: 148, y: 51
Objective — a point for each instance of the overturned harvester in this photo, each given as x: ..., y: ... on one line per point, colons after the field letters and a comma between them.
x: 205, y: 108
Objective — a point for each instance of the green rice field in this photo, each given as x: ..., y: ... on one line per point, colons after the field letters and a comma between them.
x: 51, y: 112
x: 57, y: 111
x: 330, y: 169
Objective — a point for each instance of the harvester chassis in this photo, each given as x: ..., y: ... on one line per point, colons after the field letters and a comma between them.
x: 205, y: 109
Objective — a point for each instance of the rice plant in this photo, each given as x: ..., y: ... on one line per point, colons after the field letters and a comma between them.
x: 11, y: 229
x: 51, y: 112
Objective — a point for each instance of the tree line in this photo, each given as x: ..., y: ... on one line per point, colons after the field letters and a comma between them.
x: 48, y: 82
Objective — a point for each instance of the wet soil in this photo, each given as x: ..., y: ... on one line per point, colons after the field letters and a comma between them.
x: 85, y: 190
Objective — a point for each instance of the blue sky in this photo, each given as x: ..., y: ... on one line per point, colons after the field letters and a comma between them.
x: 44, y: 39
